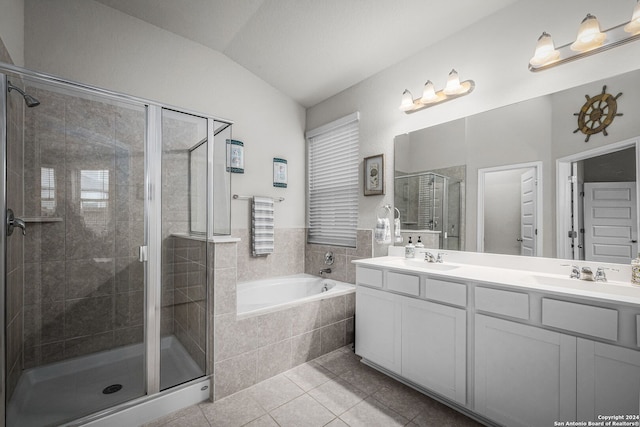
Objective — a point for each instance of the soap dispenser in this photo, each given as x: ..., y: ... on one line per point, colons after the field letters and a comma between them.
x: 419, y: 244
x: 409, y: 250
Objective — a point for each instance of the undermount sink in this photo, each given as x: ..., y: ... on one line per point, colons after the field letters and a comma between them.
x: 567, y: 281
x: 403, y: 262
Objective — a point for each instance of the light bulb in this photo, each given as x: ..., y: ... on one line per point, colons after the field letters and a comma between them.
x: 407, y: 101
x: 453, y: 86
x: 589, y: 35
x: 428, y: 94
x: 633, y: 27
x: 545, y: 51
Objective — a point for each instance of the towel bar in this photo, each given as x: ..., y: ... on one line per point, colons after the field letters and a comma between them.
x: 275, y: 199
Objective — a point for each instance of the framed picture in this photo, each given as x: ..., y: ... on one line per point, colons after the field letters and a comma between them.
x: 235, y: 156
x: 374, y: 175
x: 279, y: 172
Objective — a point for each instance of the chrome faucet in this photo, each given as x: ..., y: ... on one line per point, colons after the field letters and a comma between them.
x: 586, y: 274
x: 440, y: 259
x: 325, y: 270
x: 575, y: 272
x: 428, y: 256
x: 601, y: 276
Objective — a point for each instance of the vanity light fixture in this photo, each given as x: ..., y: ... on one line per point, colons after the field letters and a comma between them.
x: 590, y: 40
x: 454, y: 89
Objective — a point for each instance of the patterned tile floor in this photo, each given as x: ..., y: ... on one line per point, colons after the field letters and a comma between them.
x: 333, y: 390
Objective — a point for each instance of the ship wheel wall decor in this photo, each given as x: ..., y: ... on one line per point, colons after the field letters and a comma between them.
x: 597, y: 113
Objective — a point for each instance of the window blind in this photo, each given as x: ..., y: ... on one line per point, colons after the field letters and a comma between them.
x: 332, y: 208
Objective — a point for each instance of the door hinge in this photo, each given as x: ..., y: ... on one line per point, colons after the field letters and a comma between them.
x: 573, y: 179
x: 572, y: 234
x: 142, y: 254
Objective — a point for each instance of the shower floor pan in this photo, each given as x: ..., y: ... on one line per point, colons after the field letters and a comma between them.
x: 59, y: 392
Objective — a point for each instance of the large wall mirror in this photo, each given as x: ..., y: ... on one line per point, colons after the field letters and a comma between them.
x: 529, y: 184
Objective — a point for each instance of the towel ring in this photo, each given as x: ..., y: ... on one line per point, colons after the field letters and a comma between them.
x: 397, y: 211
x: 387, y: 209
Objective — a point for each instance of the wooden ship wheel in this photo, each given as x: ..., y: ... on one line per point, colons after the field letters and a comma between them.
x: 597, y: 113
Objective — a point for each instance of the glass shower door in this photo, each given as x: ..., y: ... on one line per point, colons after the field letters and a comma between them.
x: 75, y: 287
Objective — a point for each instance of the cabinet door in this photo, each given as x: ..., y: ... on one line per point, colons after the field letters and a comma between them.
x: 524, y: 376
x: 434, y: 344
x: 378, y: 322
x: 608, y: 380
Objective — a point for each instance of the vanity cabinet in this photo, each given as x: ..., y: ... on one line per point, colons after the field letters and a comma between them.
x: 378, y: 326
x: 608, y: 380
x: 434, y: 347
x: 524, y: 376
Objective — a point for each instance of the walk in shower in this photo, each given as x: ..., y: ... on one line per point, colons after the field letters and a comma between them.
x: 106, y: 289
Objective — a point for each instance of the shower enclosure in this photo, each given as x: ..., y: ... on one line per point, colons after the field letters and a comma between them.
x: 106, y: 290
x: 432, y: 203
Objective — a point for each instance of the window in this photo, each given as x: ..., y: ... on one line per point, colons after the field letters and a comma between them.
x: 47, y: 191
x: 332, y: 208
x: 94, y: 200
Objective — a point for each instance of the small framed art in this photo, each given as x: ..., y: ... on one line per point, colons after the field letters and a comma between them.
x: 235, y: 156
x: 374, y: 175
x: 280, y: 172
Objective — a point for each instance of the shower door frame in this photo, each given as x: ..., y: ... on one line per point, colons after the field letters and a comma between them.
x: 152, y: 241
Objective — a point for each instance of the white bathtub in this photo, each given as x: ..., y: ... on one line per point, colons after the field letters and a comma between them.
x: 267, y: 295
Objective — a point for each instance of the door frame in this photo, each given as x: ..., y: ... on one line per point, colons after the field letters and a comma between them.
x: 3, y: 219
x: 537, y: 166
x: 563, y: 190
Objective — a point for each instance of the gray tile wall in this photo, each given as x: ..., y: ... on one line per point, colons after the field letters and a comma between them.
x: 286, y: 259
x: 342, y: 269
x: 15, y: 243
x: 247, y: 350
x: 83, y: 283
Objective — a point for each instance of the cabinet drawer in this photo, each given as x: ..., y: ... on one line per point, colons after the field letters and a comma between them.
x: 447, y: 292
x: 585, y: 319
x: 369, y: 277
x: 507, y: 303
x: 404, y: 283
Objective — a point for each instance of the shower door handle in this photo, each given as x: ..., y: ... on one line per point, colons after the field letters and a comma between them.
x: 13, y: 222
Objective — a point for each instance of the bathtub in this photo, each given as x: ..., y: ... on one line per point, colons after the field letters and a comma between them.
x: 263, y: 296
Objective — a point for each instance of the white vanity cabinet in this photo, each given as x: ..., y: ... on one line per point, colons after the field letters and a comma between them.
x: 608, y: 380
x: 378, y: 326
x: 422, y: 341
x: 434, y: 347
x: 524, y: 376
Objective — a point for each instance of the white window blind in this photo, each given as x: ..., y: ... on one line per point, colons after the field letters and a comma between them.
x: 332, y: 211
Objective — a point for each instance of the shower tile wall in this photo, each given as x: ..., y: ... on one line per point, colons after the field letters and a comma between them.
x: 83, y: 283
x: 15, y: 242
x: 342, y: 269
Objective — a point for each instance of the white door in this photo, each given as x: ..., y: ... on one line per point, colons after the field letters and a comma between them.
x: 524, y: 376
x: 528, y: 213
x: 378, y: 323
x: 434, y: 342
x: 608, y: 380
x: 610, y: 221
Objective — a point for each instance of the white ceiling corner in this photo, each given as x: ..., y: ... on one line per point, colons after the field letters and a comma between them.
x: 308, y: 49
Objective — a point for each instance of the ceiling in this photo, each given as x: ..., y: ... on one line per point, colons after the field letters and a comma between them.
x: 311, y: 49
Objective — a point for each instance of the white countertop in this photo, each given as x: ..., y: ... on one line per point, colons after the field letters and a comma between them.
x: 535, y: 274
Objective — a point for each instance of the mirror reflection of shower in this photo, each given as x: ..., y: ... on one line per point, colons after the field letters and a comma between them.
x: 431, y: 206
x: 28, y: 99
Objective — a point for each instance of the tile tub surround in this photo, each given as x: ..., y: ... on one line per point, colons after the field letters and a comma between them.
x: 333, y: 390
x: 247, y: 350
x: 342, y: 269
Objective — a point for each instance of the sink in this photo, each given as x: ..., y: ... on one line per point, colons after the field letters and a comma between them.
x: 569, y: 282
x: 404, y: 262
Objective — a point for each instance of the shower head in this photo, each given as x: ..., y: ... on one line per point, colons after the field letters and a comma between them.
x: 28, y: 99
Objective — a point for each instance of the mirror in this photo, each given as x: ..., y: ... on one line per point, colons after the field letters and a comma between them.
x: 540, y: 132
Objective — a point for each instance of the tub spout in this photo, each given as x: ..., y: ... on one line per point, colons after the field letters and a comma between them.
x: 325, y: 270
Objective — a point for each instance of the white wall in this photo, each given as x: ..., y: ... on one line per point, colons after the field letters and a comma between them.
x: 85, y: 41
x: 495, y: 53
x: 12, y: 29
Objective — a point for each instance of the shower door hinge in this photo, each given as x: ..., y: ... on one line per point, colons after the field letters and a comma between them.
x: 142, y: 254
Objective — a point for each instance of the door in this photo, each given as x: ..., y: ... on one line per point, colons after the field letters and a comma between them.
x: 434, y: 344
x: 378, y: 327
x: 528, y: 225
x: 611, y: 221
x: 608, y: 380
x: 524, y: 376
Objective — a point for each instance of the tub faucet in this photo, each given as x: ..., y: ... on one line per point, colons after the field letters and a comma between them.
x: 325, y: 270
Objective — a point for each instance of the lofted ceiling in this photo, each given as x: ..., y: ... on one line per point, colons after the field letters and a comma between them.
x: 312, y: 49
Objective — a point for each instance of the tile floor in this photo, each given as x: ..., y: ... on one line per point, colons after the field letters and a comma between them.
x: 333, y: 390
